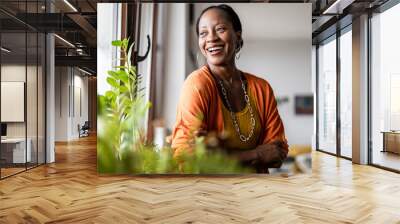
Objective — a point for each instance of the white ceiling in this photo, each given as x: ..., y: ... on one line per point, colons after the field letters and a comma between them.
x: 262, y: 21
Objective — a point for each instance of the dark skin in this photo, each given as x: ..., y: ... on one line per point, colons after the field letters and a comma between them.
x: 216, y: 32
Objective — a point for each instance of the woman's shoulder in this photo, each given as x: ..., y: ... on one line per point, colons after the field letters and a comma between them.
x: 200, y: 78
x: 200, y: 74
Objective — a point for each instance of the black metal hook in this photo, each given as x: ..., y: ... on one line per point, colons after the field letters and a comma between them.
x: 142, y: 58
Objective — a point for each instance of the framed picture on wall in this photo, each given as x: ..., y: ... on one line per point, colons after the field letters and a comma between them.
x: 304, y: 104
x: 12, y: 101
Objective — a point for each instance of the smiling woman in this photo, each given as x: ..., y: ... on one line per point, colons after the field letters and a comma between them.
x: 220, y: 100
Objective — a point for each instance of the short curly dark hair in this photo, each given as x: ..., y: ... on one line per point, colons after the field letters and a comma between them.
x: 232, y: 16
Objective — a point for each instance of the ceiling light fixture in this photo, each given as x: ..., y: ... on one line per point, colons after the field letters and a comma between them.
x: 5, y: 50
x: 64, y: 40
x: 84, y: 71
x: 337, y: 7
x: 70, y: 5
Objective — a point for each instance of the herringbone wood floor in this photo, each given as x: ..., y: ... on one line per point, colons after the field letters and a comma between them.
x: 71, y: 191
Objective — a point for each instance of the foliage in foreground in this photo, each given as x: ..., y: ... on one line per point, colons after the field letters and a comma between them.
x: 121, y: 142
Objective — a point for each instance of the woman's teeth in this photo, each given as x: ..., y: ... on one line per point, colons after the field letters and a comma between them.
x: 212, y: 49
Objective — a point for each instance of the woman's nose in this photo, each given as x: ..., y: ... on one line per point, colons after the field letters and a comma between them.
x: 211, y: 37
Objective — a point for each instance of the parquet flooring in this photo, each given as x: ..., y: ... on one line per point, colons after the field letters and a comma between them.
x: 387, y: 159
x: 10, y: 171
x: 71, y: 191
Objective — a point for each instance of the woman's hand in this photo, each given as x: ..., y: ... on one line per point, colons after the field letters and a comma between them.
x: 272, y: 153
x: 269, y: 155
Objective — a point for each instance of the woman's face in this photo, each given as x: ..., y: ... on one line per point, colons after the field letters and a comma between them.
x: 217, y: 38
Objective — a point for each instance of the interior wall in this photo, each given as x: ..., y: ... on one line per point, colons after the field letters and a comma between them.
x: 109, y: 30
x: 144, y: 67
x: 159, y: 66
x: 61, y: 103
x: 80, y: 115
x: 286, y: 65
x: 174, y: 60
x: 71, y: 102
x: 16, y: 72
x: 33, y: 126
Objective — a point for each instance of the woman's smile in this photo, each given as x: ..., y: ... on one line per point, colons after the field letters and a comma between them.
x: 217, y: 38
x: 215, y: 50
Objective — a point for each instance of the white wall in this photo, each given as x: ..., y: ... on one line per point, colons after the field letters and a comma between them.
x: 175, y: 59
x: 79, y: 117
x: 33, y: 126
x: 108, y: 29
x: 144, y: 67
x: 61, y: 103
x: 286, y: 65
x: 67, y: 114
x: 16, y: 72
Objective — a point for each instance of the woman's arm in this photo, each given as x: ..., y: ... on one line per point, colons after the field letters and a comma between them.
x: 190, y: 115
x: 273, y: 148
x: 270, y: 155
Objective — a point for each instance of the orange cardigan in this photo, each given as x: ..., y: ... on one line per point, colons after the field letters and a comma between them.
x: 200, y: 108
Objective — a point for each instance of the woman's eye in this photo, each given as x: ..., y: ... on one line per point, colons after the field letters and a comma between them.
x: 202, y: 34
x: 221, y: 29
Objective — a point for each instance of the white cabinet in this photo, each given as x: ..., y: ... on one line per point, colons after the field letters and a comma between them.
x: 18, y: 149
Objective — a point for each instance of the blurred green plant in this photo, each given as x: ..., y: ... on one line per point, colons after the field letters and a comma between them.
x: 121, y: 142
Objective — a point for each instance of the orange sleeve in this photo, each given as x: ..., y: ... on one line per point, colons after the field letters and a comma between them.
x: 274, y: 129
x: 190, y: 115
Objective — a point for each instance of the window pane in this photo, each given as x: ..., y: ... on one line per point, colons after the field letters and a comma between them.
x: 14, y: 153
x: 386, y: 89
x: 31, y: 99
x: 346, y: 94
x: 41, y: 98
x: 327, y: 96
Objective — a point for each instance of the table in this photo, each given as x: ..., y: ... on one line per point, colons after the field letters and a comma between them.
x: 391, y: 141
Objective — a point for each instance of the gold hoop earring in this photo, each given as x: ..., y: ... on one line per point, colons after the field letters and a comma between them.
x: 237, y: 56
x: 237, y: 51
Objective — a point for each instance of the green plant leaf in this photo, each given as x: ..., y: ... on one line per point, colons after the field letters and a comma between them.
x: 110, y: 95
x: 124, y: 44
x: 113, y: 74
x: 112, y: 82
x: 123, y: 76
x: 116, y: 43
x: 123, y: 89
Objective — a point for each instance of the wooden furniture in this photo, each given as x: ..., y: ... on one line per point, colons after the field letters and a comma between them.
x: 391, y: 141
